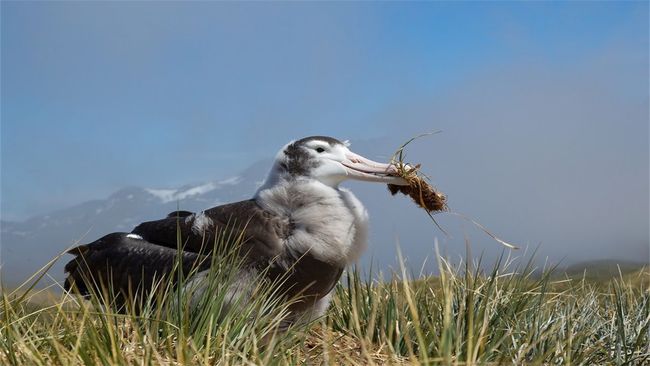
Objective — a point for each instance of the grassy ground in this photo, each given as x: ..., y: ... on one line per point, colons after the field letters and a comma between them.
x: 463, y: 317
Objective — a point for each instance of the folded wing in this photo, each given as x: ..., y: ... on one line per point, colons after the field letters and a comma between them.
x: 128, y: 265
x: 131, y: 263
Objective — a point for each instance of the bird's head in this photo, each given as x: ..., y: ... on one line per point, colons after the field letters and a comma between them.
x: 330, y: 162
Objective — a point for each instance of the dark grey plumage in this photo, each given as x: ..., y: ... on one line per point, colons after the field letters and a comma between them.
x: 129, y: 266
x: 128, y: 263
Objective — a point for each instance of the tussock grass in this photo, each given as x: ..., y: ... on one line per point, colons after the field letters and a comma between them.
x: 465, y: 316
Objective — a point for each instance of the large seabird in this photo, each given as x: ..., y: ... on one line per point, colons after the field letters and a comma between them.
x: 300, y: 226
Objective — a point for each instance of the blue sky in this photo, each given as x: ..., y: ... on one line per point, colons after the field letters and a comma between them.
x: 544, y: 105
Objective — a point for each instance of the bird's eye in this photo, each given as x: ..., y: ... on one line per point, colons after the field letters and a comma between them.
x: 320, y: 150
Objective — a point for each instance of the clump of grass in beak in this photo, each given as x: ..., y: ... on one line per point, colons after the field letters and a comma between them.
x: 426, y: 196
x: 418, y: 188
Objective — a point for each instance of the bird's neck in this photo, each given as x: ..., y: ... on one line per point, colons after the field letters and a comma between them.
x: 328, y: 223
x: 286, y: 196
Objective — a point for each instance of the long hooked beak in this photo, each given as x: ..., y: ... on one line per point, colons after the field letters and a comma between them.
x: 360, y: 168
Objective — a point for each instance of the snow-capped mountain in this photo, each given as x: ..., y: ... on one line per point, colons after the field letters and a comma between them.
x: 29, y: 245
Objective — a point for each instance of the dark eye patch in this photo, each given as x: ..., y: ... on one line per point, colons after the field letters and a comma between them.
x: 320, y: 149
x: 297, y: 160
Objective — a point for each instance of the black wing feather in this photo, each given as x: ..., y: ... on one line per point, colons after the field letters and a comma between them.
x: 126, y: 264
x: 180, y: 214
x: 260, y: 232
